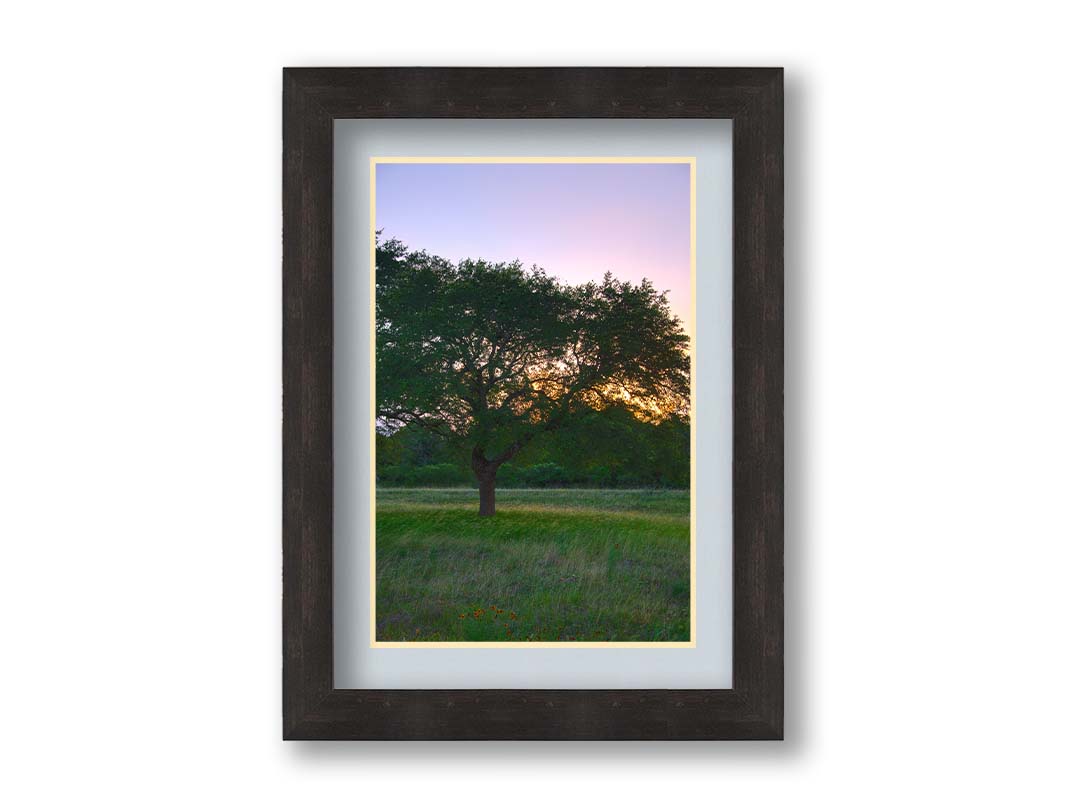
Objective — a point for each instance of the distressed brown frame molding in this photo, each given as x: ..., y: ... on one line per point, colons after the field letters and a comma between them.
x: 312, y: 707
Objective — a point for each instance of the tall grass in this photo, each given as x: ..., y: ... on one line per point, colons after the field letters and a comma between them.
x: 551, y: 565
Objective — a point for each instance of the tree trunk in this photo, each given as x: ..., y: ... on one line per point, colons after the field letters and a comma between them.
x: 487, y: 494
x: 485, y: 472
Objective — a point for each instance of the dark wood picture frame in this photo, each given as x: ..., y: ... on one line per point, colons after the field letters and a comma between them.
x: 312, y: 707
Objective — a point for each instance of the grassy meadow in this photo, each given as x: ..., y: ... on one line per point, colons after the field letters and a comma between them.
x: 551, y: 565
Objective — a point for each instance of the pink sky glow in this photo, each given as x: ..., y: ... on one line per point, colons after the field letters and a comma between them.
x: 575, y: 221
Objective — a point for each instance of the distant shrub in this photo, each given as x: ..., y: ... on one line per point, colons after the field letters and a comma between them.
x: 548, y: 474
x: 429, y: 475
x: 438, y: 475
x: 509, y: 475
x: 392, y: 475
x: 599, y: 476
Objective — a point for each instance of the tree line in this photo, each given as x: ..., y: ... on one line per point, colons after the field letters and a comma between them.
x: 607, y: 449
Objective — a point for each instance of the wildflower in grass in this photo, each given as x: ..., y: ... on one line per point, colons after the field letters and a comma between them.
x: 514, y: 615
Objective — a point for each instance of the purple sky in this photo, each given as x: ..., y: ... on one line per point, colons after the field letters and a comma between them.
x: 576, y: 221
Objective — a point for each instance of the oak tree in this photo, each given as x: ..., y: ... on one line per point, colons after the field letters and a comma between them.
x: 493, y: 354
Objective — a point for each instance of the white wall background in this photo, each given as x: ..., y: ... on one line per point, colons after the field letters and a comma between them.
x: 140, y: 395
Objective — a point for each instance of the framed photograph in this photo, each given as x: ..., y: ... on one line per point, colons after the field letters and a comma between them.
x: 533, y: 403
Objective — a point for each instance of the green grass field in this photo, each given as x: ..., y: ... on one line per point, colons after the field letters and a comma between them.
x: 552, y: 565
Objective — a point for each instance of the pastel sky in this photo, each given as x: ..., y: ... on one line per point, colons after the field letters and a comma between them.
x: 576, y: 221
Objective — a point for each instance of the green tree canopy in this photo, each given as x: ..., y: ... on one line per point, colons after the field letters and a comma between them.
x: 495, y: 354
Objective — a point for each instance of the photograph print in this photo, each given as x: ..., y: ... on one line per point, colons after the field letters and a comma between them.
x: 533, y: 333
